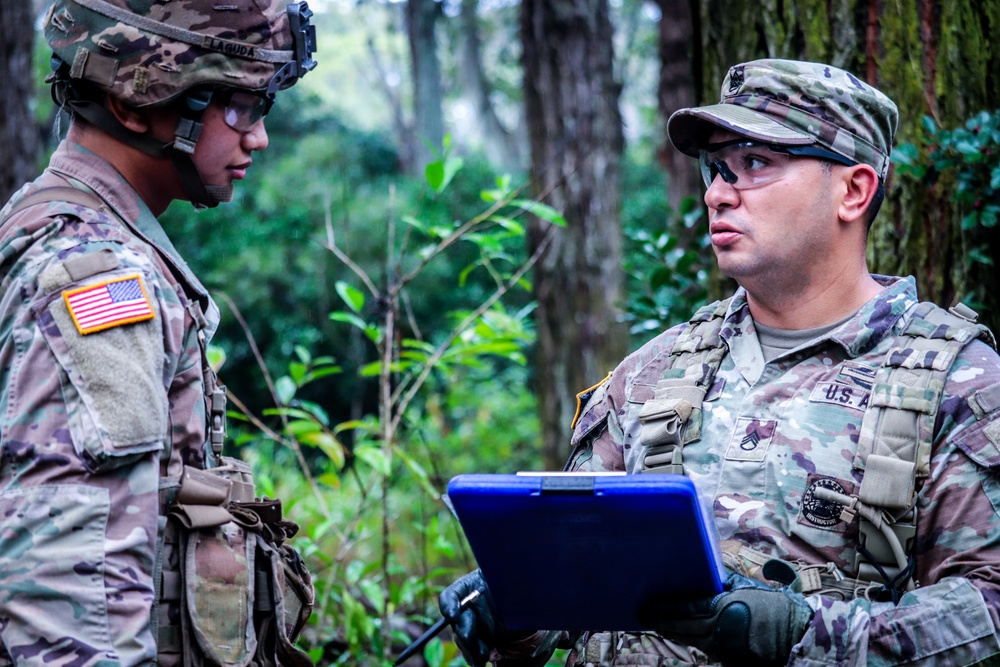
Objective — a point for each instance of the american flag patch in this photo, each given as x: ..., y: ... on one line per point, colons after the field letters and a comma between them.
x: 108, y: 304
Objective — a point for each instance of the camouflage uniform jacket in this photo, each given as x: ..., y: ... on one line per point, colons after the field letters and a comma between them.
x: 772, y: 431
x: 94, y: 424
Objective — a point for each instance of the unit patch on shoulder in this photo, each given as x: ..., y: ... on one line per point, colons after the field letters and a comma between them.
x: 583, y: 398
x: 108, y: 304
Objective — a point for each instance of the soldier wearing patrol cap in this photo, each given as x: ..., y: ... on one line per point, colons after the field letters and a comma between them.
x: 128, y: 538
x: 845, y: 436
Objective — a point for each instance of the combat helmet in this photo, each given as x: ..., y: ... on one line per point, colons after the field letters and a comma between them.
x: 151, y: 53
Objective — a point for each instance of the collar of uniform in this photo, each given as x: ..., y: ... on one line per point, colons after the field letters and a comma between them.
x: 878, y: 318
x: 76, y: 162
x: 867, y: 328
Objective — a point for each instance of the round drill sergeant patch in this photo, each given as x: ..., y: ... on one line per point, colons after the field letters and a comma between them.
x: 822, y: 512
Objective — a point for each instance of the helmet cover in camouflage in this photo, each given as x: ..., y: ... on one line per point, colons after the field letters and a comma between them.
x: 148, y: 52
x: 794, y: 103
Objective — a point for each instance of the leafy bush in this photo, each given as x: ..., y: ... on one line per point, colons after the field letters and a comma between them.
x: 451, y: 397
x: 666, y: 255
x: 970, y: 155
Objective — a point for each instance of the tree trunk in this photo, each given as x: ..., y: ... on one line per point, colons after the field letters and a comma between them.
x: 575, y: 137
x: 935, y: 57
x: 501, y: 147
x: 421, y: 18
x: 679, y: 87
x: 18, y: 129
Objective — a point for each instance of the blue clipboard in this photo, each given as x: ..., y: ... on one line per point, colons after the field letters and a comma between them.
x: 584, y: 552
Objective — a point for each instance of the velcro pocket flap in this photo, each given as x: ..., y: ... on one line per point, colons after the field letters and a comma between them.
x: 888, y: 482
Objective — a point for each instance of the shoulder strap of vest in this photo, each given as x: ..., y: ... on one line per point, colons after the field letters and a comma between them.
x: 672, y: 418
x: 897, y: 431
x: 56, y: 193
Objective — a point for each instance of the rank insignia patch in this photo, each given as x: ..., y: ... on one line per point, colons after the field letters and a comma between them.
x: 108, y: 304
x: 751, y: 438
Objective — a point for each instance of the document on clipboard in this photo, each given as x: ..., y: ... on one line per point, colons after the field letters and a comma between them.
x: 570, y: 551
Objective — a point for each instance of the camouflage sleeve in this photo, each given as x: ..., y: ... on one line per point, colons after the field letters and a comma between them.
x: 84, y: 420
x: 953, y: 616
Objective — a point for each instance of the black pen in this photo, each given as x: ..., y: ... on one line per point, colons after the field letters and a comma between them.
x: 433, y: 630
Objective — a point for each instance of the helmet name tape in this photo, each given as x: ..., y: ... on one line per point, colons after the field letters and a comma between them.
x: 230, y: 48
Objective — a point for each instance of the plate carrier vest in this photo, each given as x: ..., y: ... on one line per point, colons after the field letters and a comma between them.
x: 894, y: 446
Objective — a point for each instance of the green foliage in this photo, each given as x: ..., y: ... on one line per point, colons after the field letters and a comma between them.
x: 966, y: 162
x: 970, y: 155
x: 666, y: 254
x: 451, y: 396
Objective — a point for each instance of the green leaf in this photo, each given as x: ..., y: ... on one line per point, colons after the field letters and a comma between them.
x: 930, y: 127
x: 906, y: 154
x: 970, y: 221
x: 415, y: 223
x: 216, y: 357
x: 980, y: 256
x: 350, y: 425
x: 297, y: 370
x: 328, y: 444
x: 988, y: 217
x: 322, y: 373
x: 330, y: 479
x: 300, y: 428
x: 966, y: 147
x: 374, y: 457
x: 440, y: 172
x: 995, y: 178
x: 434, y: 653
x: 540, y: 210
x: 353, y: 320
x: 371, y: 331
x: 285, y: 388
x: 352, y: 296
x: 303, y: 354
x: 491, y: 196
x: 508, y: 223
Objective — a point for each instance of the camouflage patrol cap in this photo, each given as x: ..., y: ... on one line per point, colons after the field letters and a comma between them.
x: 794, y: 103
x: 148, y: 52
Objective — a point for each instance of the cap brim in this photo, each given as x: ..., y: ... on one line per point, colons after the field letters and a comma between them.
x: 689, y: 129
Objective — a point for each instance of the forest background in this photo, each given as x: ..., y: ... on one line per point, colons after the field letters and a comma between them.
x: 469, y: 213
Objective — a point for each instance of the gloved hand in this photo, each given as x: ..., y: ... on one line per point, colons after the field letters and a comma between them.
x: 477, y: 630
x: 749, y: 623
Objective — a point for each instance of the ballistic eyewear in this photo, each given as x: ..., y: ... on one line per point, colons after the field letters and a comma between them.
x: 242, y: 109
x: 746, y: 164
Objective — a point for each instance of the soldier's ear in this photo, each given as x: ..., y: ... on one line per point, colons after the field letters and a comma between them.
x: 132, y: 118
x: 860, y: 183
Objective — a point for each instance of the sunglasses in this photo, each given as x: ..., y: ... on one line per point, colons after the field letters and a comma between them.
x: 746, y: 164
x: 242, y: 109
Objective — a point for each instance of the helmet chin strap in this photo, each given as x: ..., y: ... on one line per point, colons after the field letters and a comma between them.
x: 186, y: 136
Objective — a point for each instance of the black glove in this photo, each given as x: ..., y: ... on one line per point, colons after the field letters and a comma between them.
x: 477, y: 630
x: 749, y: 623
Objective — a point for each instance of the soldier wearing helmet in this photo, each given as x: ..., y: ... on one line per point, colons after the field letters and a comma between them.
x: 129, y: 539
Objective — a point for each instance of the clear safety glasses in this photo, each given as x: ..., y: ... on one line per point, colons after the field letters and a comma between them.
x: 746, y: 164
x: 243, y: 110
